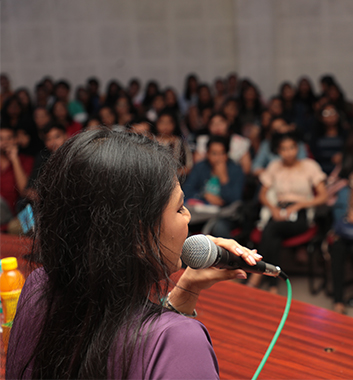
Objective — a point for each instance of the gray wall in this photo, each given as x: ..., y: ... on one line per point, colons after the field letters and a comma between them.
x: 267, y: 40
x: 284, y: 39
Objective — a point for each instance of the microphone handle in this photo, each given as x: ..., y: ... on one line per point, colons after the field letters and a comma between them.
x: 228, y: 260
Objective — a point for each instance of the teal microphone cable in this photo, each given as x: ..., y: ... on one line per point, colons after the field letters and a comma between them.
x: 279, y: 328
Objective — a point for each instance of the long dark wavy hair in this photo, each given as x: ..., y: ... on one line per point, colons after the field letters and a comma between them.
x: 101, y: 199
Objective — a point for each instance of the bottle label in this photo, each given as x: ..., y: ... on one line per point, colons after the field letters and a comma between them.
x: 9, y: 302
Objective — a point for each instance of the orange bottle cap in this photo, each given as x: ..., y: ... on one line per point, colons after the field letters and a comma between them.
x: 9, y: 263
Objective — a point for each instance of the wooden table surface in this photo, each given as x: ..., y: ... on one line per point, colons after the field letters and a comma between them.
x: 315, y: 343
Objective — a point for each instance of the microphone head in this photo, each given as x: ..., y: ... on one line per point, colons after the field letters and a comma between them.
x: 199, y: 252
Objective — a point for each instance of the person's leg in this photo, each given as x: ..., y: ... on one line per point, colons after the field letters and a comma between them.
x: 273, y: 235
x: 269, y: 249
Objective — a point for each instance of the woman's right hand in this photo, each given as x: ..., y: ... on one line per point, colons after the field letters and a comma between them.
x: 185, y: 295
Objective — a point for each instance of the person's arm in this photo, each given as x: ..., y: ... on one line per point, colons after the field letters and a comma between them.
x: 261, y: 159
x: 193, y: 186
x: 319, y: 199
x: 245, y: 163
x: 21, y: 177
x: 233, y: 190
x: 220, y: 170
x: 276, y: 212
x: 185, y: 294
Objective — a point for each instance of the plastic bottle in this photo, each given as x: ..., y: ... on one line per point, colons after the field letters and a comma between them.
x: 1, y: 312
x: 11, y: 283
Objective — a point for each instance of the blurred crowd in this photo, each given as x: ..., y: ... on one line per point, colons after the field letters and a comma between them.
x: 277, y: 159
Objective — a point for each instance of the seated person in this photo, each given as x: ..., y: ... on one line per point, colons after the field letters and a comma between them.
x: 343, y: 242
x: 168, y: 134
x: 298, y: 184
x: 54, y: 136
x: 238, y: 148
x: 265, y: 155
x: 142, y: 126
x: 328, y: 141
x: 217, y: 180
x: 14, y: 168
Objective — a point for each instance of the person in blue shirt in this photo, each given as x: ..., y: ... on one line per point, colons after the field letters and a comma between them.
x: 217, y: 180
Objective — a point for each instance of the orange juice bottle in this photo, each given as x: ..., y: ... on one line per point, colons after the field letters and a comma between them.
x: 11, y: 283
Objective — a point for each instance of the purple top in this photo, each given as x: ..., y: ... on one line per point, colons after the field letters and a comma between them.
x: 177, y: 347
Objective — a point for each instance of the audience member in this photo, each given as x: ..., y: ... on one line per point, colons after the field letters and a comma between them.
x: 92, y: 123
x: 49, y: 86
x: 217, y: 180
x: 142, y: 126
x: 305, y: 94
x: 298, y: 185
x: 124, y: 110
x: 190, y: 96
x: 204, y: 97
x: 41, y: 117
x: 275, y: 107
x: 265, y: 122
x: 325, y: 83
x: 62, y: 94
x: 6, y: 91
x: 95, y: 99
x: 17, y: 113
x: 41, y: 95
x: 113, y: 92
x: 232, y: 85
x: 168, y: 134
x: 158, y: 105
x: 250, y: 104
x: 239, y: 145
x: 15, y: 168
x: 327, y: 143
x: 81, y: 102
x: 54, y: 137
x: 61, y: 116
x: 134, y: 92
x: 152, y: 89
x: 231, y: 109
x: 265, y: 154
x: 107, y: 117
x: 344, y: 108
x: 11, y: 113
x: 343, y: 242
x: 219, y: 96
x: 25, y: 101
x: 171, y: 101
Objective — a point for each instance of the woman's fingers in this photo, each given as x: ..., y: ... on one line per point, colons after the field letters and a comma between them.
x: 196, y: 280
x: 250, y: 256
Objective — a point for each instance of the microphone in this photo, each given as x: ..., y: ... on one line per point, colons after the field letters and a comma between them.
x: 200, y: 252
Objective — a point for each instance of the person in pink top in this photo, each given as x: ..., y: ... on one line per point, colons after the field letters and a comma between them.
x: 298, y: 185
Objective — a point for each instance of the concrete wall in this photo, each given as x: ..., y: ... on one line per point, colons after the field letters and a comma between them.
x: 160, y: 39
x: 267, y: 40
x: 284, y: 39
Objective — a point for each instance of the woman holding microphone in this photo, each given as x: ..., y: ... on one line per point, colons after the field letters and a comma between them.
x: 110, y: 228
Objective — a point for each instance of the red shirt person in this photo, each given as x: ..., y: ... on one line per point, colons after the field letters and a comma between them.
x: 14, y: 168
